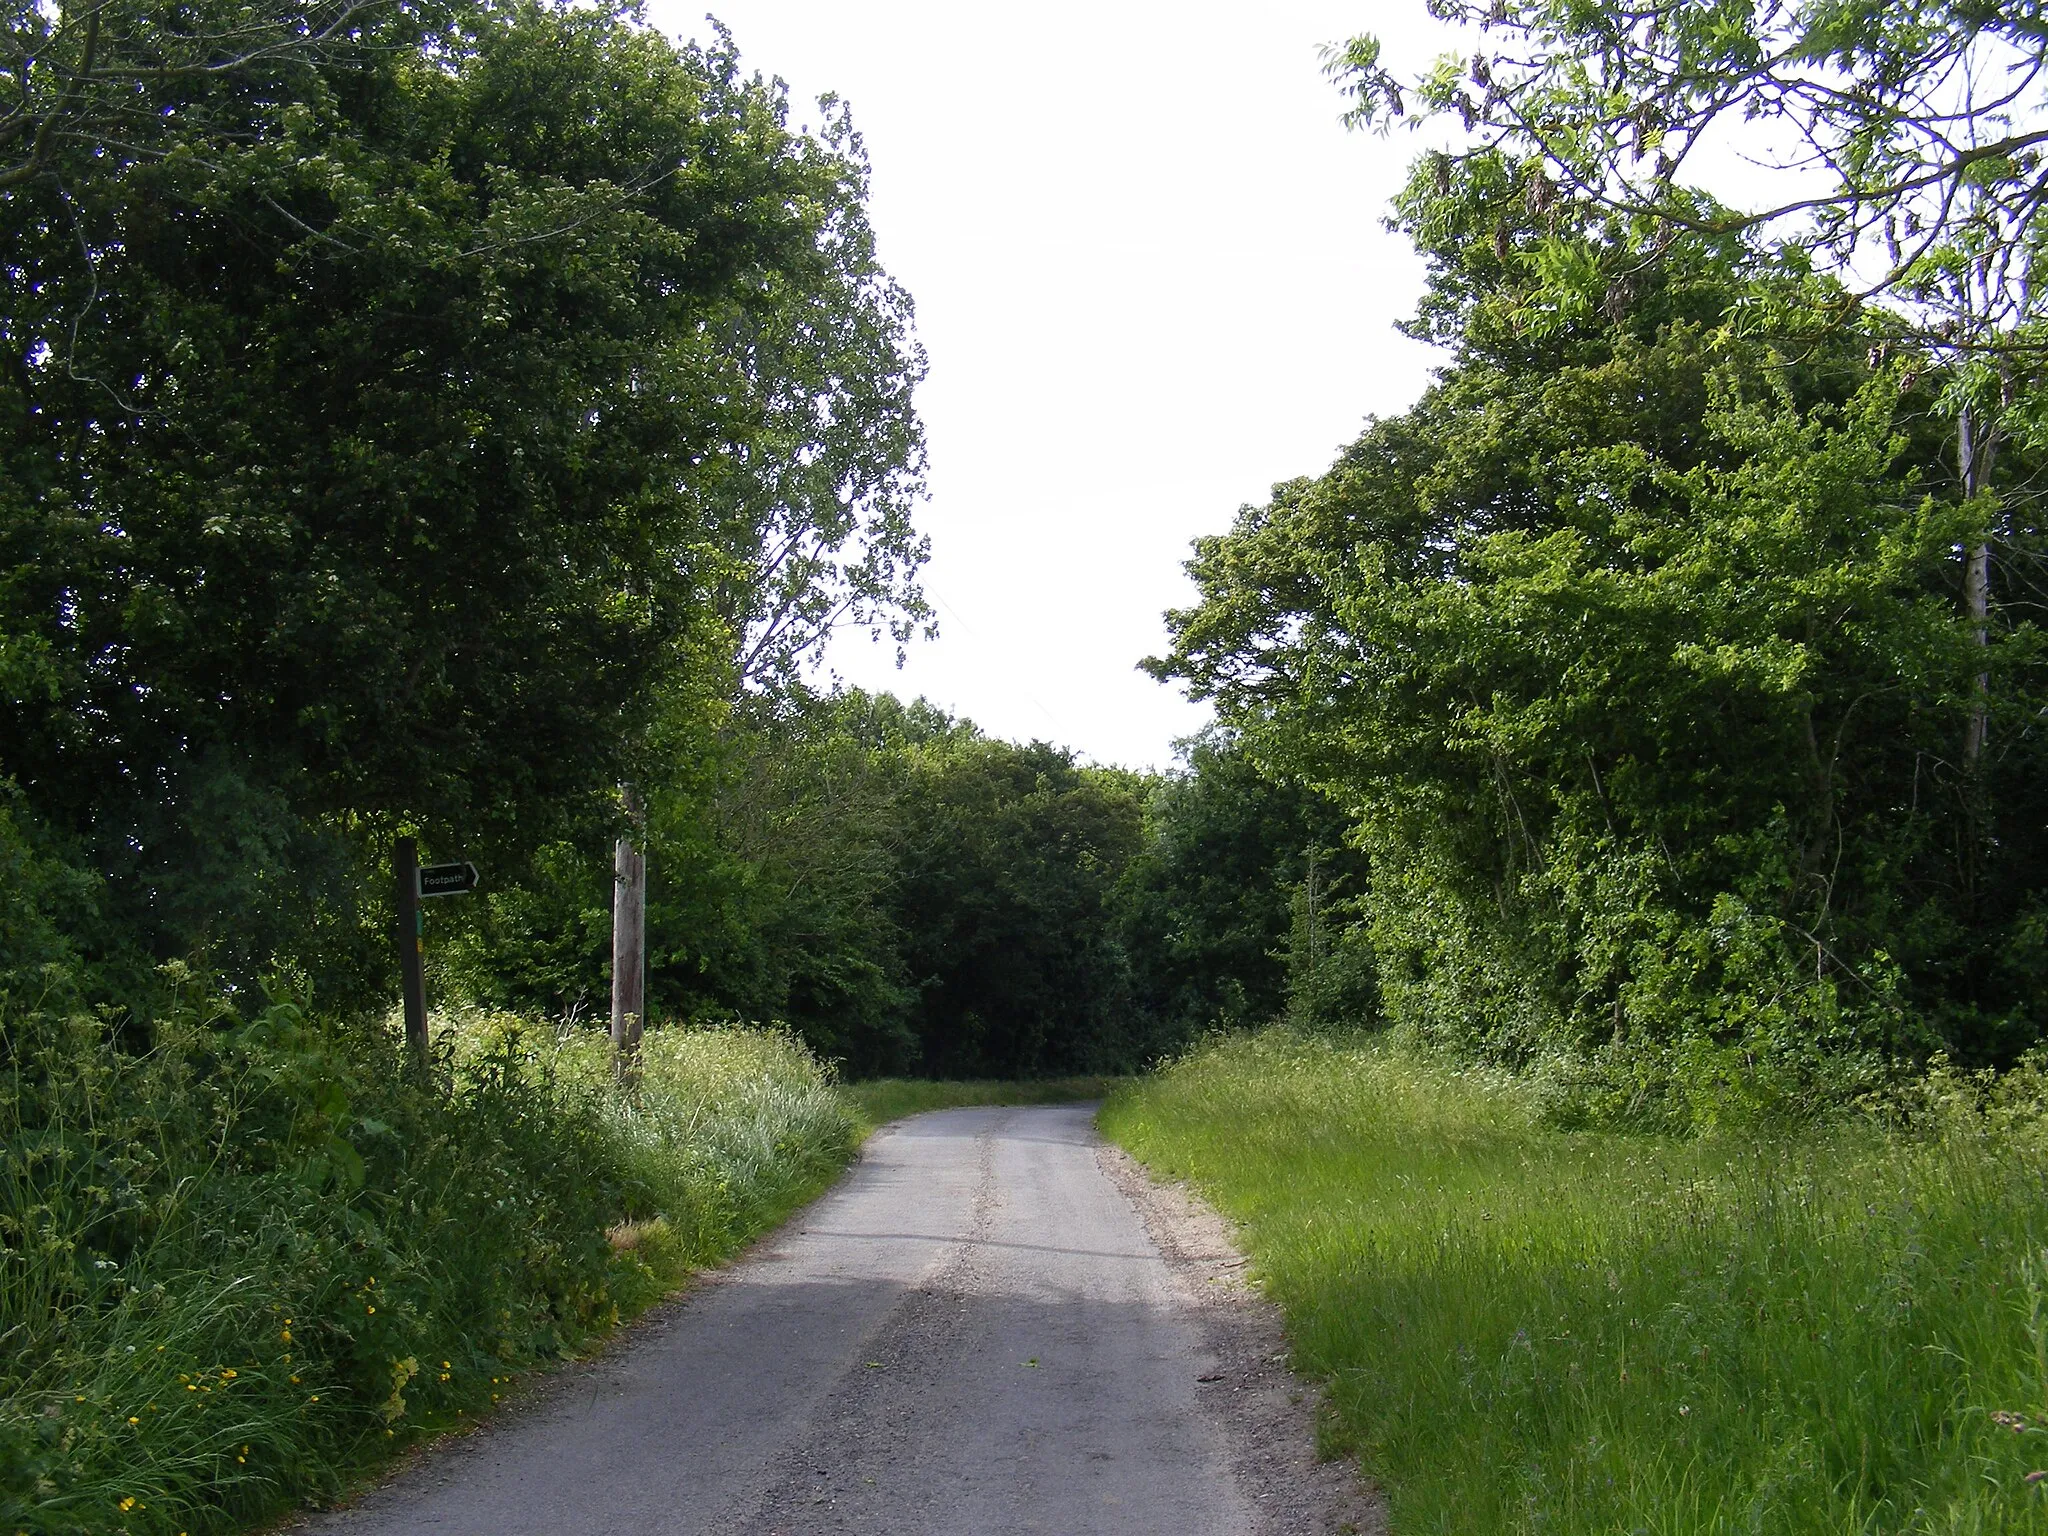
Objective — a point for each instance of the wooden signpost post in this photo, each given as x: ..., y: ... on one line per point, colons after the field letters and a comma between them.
x: 411, y: 883
x: 629, y: 942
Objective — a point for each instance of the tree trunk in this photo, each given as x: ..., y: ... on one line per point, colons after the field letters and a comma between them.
x: 1974, y: 448
x: 629, y: 942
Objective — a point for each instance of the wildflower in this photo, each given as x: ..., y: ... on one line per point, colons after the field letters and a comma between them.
x: 133, y: 1420
x: 286, y: 1335
x: 228, y: 1374
x: 126, y: 1504
x: 190, y: 1388
x: 446, y: 1366
x: 371, y: 1310
x: 295, y: 1381
x: 314, y: 1398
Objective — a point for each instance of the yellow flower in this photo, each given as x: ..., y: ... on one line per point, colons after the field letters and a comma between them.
x: 371, y: 1310
x: 446, y: 1366
x: 228, y: 1375
x: 126, y: 1504
x: 286, y: 1335
x: 190, y: 1388
x: 314, y: 1398
x: 295, y: 1381
x: 133, y: 1420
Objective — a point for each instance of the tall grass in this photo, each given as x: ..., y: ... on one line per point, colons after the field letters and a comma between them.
x: 241, y: 1266
x: 723, y: 1131
x: 1526, y: 1329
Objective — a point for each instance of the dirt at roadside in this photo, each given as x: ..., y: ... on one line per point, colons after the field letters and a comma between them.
x: 1270, y: 1413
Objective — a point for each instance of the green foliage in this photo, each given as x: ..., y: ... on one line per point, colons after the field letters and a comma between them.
x: 1211, y: 907
x: 1010, y: 858
x: 1641, y: 678
x: 240, y: 1266
x: 1914, y: 129
x: 401, y: 424
x: 1528, y: 1329
x: 906, y: 894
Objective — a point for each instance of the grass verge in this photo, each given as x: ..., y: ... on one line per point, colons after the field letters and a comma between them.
x: 241, y: 1268
x: 880, y: 1100
x: 1526, y: 1329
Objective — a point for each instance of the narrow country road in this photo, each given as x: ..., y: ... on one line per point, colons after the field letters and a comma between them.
x: 972, y: 1334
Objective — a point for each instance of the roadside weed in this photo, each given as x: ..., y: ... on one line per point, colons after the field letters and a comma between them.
x: 1526, y: 1329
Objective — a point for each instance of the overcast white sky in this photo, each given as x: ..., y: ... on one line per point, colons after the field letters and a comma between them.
x: 1150, y: 273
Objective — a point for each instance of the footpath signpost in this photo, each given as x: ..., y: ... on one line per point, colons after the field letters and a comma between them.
x: 412, y: 883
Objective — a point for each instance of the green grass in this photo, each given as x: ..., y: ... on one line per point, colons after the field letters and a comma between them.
x: 726, y: 1131
x: 882, y: 1099
x: 242, y: 1268
x: 1525, y: 1329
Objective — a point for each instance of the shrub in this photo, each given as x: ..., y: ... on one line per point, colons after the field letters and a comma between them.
x: 240, y: 1265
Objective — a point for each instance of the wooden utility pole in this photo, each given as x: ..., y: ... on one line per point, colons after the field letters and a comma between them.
x: 412, y: 972
x: 629, y: 938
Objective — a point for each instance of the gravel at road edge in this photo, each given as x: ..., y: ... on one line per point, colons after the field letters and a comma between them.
x: 1270, y: 1419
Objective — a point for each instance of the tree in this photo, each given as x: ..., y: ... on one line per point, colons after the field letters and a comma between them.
x: 1906, y: 141
x: 384, y: 448
x: 903, y: 892
x: 1906, y: 127
x: 90, y: 80
x: 1010, y: 858
x: 1635, y: 668
x: 1205, y: 909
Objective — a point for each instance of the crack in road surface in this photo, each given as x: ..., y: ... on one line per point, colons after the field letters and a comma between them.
x: 976, y: 1332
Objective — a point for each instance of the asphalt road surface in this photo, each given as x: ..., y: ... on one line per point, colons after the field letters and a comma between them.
x: 973, y: 1333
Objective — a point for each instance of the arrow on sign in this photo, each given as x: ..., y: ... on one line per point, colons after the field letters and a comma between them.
x: 448, y: 879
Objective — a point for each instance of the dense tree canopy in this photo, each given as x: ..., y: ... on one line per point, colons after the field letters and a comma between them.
x: 400, y: 425
x: 1637, y: 662
x: 910, y: 895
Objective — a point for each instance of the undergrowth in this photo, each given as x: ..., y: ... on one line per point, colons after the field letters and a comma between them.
x: 241, y: 1266
x: 1528, y: 1328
